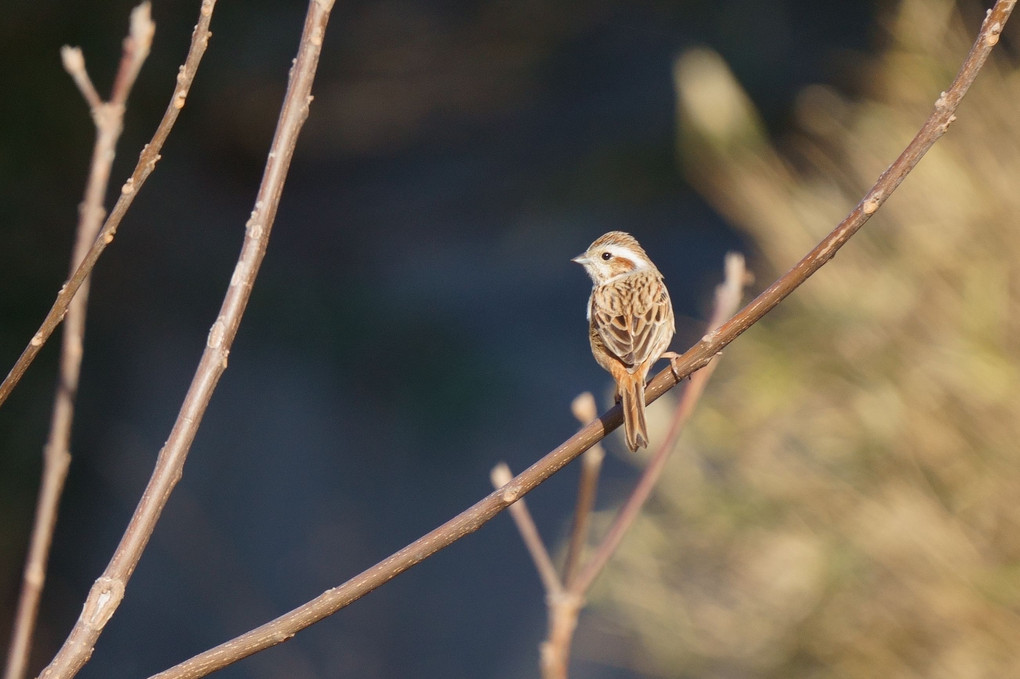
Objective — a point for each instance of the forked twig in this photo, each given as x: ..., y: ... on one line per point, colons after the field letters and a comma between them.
x: 146, y: 164
x: 471, y: 519
x: 108, y: 118
x: 108, y: 590
x: 565, y: 600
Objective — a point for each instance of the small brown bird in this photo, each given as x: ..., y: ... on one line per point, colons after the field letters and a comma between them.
x: 630, y: 321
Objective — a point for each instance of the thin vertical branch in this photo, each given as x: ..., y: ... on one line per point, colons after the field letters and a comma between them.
x: 108, y: 118
x: 563, y: 611
x: 584, y: 410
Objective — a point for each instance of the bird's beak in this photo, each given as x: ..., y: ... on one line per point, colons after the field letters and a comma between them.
x: 580, y: 259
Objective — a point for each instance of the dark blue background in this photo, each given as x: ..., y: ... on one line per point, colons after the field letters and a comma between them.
x: 417, y: 318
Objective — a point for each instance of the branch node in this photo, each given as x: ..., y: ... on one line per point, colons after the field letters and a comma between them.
x: 510, y: 493
x: 216, y: 334
x: 254, y: 225
x: 872, y: 203
x: 103, y: 599
x: 993, y: 34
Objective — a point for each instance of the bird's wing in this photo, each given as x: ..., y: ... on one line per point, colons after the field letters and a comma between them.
x: 633, y: 320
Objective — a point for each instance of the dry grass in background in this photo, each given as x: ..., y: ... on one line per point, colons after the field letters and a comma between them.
x: 847, y: 501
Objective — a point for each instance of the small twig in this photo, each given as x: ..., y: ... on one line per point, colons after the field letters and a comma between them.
x: 529, y: 533
x: 584, y: 410
x: 74, y: 64
x: 57, y: 456
x: 136, y: 50
x: 147, y: 160
x: 472, y: 518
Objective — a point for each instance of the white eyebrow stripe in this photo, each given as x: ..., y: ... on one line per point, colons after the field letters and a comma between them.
x: 629, y: 254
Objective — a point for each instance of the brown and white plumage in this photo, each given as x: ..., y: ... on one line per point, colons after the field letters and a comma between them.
x: 630, y: 321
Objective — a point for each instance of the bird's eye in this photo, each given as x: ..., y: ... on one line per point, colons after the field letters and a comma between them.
x: 606, y: 256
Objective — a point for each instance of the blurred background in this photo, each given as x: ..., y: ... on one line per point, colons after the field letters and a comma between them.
x: 845, y: 503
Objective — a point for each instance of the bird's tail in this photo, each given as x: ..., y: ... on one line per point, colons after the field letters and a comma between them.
x: 632, y: 397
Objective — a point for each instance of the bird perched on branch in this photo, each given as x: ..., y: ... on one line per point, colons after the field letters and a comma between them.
x: 630, y: 321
